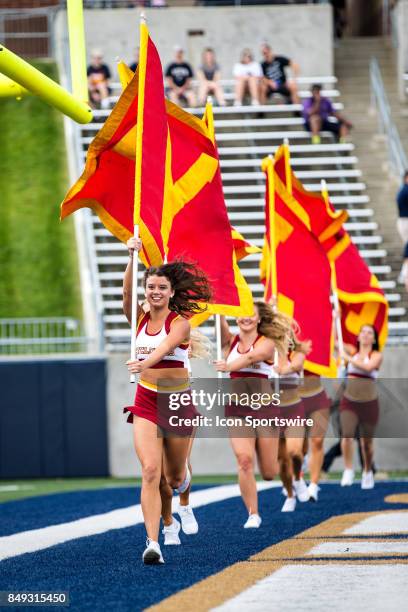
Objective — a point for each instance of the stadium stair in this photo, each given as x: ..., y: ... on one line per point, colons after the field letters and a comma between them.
x: 244, y: 136
x: 352, y: 58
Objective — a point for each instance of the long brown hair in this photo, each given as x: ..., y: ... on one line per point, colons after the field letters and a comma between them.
x: 275, y: 325
x: 190, y: 285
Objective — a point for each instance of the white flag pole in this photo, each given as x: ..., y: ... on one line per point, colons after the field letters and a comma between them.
x: 336, y: 302
x: 144, y: 35
x: 218, y: 340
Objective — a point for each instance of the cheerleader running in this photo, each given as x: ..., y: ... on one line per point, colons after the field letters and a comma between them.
x: 317, y: 407
x: 199, y: 347
x: 359, y: 405
x: 249, y: 359
x: 172, y: 291
x: 291, y: 443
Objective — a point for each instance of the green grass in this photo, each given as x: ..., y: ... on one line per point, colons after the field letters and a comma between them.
x: 38, y: 262
x: 31, y: 488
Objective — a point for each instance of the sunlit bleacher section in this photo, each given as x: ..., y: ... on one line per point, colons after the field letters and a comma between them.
x: 244, y: 136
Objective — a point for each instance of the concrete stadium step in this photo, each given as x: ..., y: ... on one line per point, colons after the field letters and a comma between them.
x: 260, y: 203
x: 310, y: 161
x: 238, y: 189
x: 252, y: 150
x: 275, y: 135
x: 301, y: 175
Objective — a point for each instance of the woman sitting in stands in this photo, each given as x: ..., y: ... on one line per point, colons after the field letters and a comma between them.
x: 247, y: 75
x: 209, y: 78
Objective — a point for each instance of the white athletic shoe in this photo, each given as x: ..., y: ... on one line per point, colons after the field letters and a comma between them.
x: 152, y: 555
x: 186, y: 482
x: 188, y: 521
x: 171, y: 533
x: 301, y: 490
x: 254, y: 521
x: 313, y: 489
x: 367, y: 480
x: 284, y: 491
x: 347, y: 478
x: 289, y: 505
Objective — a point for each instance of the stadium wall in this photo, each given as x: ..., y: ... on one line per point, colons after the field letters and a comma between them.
x: 401, y: 29
x: 302, y: 32
x: 214, y: 456
x: 53, y: 417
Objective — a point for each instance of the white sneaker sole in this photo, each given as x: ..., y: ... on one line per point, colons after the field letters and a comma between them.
x: 152, y: 557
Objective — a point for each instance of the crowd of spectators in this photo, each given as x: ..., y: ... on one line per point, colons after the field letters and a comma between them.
x: 255, y: 83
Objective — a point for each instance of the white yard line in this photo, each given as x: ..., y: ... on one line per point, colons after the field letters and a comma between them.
x: 362, y: 548
x: 308, y: 588
x: 341, y: 586
x: 39, y: 539
x: 391, y: 522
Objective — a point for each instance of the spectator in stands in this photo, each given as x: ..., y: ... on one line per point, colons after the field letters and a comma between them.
x: 133, y: 66
x: 339, y: 16
x: 274, y: 79
x: 402, y: 226
x: 209, y: 78
x: 179, y: 75
x: 98, y: 81
x: 247, y: 75
x: 317, y: 111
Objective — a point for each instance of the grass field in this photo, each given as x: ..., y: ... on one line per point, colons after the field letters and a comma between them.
x: 37, y: 253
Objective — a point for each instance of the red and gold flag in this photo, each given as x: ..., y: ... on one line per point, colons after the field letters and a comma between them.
x: 362, y: 301
x: 318, y: 216
x: 361, y: 298
x: 302, y: 276
x: 177, y: 199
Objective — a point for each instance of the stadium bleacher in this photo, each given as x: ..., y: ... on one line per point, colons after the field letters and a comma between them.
x: 244, y: 138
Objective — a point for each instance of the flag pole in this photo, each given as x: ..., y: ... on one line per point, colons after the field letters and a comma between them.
x: 272, y: 229
x: 288, y: 173
x: 209, y: 120
x: 339, y: 331
x: 273, y: 276
x: 144, y: 34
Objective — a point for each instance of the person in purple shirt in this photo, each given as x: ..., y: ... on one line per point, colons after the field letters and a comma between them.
x: 317, y: 112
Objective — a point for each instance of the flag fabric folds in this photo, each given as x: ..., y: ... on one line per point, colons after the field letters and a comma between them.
x: 362, y: 300
x: 303, y: 277
x: 177, y: 197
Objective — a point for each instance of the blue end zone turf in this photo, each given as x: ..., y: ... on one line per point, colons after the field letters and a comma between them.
x: 105, y: 572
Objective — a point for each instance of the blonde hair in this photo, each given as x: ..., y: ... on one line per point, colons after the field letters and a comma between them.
x: 276, y: 326
x: 200, y: 345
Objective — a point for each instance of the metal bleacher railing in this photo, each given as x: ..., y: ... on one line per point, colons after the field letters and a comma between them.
x: 41, y: 335
x: 397, y: 156
x: 245, y: 135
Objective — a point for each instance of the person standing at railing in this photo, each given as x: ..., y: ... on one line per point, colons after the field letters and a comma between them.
x: 318, y: 112
x: 209, y: 78
x: 274, y: 79
x: 402, y: 226
x: 179, y: 75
